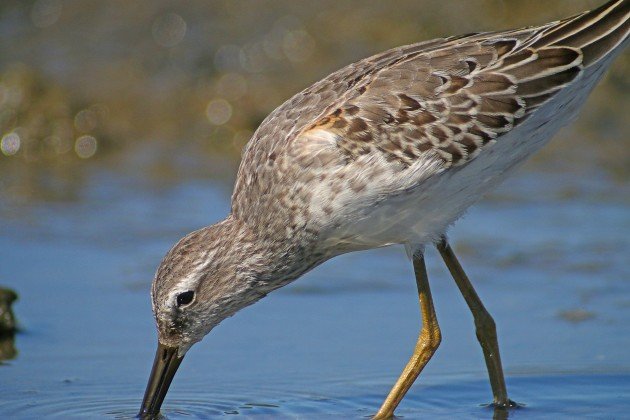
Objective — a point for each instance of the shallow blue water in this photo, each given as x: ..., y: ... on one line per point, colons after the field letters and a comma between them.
x: 550, y: 266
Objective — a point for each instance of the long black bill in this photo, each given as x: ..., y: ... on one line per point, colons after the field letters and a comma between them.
x: 164, y: 367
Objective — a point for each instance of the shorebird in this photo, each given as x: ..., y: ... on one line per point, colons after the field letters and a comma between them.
x: 389, y: 150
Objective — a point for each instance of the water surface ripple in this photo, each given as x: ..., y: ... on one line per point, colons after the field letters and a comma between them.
x: 553, y: 272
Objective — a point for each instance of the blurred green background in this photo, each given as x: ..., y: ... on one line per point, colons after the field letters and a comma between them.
x: 174, y: 89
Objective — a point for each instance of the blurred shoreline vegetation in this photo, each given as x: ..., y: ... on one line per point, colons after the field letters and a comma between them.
x: 173, y: 89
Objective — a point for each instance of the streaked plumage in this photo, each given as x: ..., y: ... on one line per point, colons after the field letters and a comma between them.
x: 392, y: 123
x: 389, y: 150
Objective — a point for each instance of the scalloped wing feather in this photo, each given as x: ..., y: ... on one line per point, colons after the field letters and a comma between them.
x: 444, y: 101
x: 454, y: 98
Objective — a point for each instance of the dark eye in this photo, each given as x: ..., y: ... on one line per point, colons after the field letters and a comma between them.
x: 185, y: 298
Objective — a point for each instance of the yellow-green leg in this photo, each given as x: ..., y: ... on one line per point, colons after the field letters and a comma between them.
x: 427, y: 343
x: 484, y: 324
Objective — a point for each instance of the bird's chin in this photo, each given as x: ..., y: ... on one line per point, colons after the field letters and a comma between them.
x: 183, y: 348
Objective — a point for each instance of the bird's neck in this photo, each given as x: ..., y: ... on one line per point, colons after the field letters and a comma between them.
x: 275, y: 257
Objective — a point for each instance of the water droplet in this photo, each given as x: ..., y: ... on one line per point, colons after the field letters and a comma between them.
x: 253, y: 58
x: 45, y: 13
x: 85, y: 147
x: 169, y: 29
x: 232, y: 86
x: 219, y: 111
x: 10, y: 144
x: 85, y: 121
x: 298, y: 46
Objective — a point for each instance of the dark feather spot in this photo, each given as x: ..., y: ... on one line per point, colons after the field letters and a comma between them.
x: 424, y: 118
x: 504, y: 46
x: 408, y: 103
x: 472, y: 65
x: 354, y: 81
x: 493, y: 121
x: 547, y: 83
x: 518, y: 57
x: 535, y: 101
x: 402, y: 116
x: 439, y: 133
x: 455, y: 130
x: 500, y: 104
x: 456, y: 154
x: 460, y: 119
x: 457, y: 83
x: 483, y: 135
x: 424, y: 146
x: 352, y: 110
x: 439, y: 107
x: 486, y: 83
x: 558, y: 56
x: 469, y: 144
x: 409, y: 152
x: 340, y: 123
x: 357, y: 125
x: 323, y: 121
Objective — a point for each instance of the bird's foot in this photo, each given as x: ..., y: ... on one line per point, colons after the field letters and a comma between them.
x: 502, y: 409
x: 504, y: 405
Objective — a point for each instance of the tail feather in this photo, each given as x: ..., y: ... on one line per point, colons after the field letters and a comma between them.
x: 596, y: 33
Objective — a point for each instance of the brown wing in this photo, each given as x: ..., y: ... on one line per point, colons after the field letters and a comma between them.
x: 453, y: 99
x: 444, y: 97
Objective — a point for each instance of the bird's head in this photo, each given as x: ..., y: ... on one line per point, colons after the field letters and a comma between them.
x: 206, y: 277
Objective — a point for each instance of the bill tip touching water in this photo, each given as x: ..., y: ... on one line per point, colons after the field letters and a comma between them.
x: 389, y: 150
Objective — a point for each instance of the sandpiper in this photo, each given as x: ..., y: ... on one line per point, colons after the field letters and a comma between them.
x: 389, y: 150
